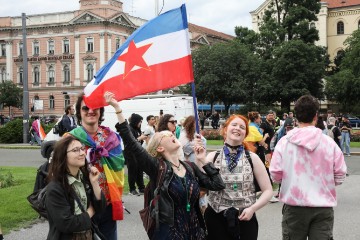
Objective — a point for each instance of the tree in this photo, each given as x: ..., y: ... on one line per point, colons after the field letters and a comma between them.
x: 344, y: 86
x: 10, y: 95
x: 298, y: 69
x: 225, y: 72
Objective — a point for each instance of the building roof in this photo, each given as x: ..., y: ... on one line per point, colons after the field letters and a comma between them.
x: 208, y: 31
x: 341, y: 3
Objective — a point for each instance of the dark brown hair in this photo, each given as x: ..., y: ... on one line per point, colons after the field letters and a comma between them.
x: 306, y: 108
x: 253, y: 116
x: 78, y: 109
x: 162, y: 126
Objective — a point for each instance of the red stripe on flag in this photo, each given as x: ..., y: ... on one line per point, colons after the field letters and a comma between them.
x: 161, y: 76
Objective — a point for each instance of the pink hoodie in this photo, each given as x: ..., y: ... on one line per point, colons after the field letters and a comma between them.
x: 309, y: 165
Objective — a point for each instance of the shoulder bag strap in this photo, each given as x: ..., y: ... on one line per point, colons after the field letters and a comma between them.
x: 159, y: 183
x: 257, y: 187
x: 216, y: 155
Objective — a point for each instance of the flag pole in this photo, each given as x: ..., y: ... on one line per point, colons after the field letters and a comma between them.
x: 195, y: 107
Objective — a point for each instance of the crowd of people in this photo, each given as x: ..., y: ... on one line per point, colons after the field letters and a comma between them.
x: 203, y: 195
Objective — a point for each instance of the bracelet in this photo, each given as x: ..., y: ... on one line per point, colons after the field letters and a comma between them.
x: 117, y: 112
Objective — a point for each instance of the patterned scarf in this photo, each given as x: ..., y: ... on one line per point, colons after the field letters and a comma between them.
x: 232, y: 159
x: 112, y: 160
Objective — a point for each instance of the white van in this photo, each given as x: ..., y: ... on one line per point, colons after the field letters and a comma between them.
x: 178, y: 105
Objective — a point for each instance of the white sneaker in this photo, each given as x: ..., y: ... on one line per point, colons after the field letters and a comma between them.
x: 273, y: 200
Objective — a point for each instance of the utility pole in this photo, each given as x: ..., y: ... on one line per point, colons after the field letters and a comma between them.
x: 25, y: 83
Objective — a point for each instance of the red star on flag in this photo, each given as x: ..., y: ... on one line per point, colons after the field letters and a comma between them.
x: 134, y: 57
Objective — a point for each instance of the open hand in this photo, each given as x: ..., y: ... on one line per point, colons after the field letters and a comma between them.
x: 110, y: 99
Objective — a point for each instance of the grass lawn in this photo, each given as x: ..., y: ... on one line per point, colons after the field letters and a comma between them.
x: 355, y: 144
x: 15, y: 211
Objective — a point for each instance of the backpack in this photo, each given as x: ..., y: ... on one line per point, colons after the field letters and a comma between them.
x: 61, y: 128
x: 37, y: 198
x: 330, y: 132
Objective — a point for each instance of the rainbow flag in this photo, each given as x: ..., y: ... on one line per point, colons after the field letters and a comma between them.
x: 112, y: 161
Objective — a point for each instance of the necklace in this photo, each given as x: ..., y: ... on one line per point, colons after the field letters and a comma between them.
x: 232, y: 147
x: 188, y: 194
x: 177, y: 167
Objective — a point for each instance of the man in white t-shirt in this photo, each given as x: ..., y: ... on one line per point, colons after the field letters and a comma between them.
x: 149, y: 129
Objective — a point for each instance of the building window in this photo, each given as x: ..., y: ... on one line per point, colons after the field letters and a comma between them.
x: 66, y: 46
x: 90, y: 44
x: 20, y: 49
x: 66, y: 100
x: 117, y: 43
x: 359, y: 24
x: 312, y: 25
x: 3, y: 74
x: 340, y: 28
x: 51, y: 73
x: 51, y: 102
x: 66, y: 74
x: 3, y: 49
x: 21, y: 75
x: 36, y: 48
x: 51, y: 47
x: 36, y: 76
x: 90, y: 72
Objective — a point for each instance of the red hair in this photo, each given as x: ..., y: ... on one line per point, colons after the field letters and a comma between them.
x: 247, y: 146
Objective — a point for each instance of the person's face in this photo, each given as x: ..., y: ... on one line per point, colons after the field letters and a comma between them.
x: 270, y: 117
x: 72, y: 110
x: 171, y: 124
x: 168, y: 141
x: 89, y: 117
x: 151, y: 121
x: 75, y: 155
x: 236, y: 130
x: 139, y: 124
x: 291, y: 115
x: 284, y: 116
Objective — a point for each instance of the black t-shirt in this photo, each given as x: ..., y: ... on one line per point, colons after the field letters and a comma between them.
x: 267, y: 128
x: 345, y: 124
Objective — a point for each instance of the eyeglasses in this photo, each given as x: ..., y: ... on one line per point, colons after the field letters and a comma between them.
x: 77, y: 149
x: 173, y: 121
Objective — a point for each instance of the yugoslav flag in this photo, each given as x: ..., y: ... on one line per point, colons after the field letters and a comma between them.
x: 155, y: 57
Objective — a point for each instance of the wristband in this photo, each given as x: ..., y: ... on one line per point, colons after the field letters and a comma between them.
x: 117, y: 112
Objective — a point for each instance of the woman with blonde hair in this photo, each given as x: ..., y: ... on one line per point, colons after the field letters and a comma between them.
x: 178, y: 209
x: 231, y: 212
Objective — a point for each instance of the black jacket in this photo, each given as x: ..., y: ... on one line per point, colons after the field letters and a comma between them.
x: 211, y: 180
x: 62, y: 221
x: 67, y: 123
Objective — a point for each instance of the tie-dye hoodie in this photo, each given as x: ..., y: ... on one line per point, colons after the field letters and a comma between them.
x: 309, y: 165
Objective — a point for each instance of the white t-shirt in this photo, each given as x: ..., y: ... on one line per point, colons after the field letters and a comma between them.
x: 149, y: 132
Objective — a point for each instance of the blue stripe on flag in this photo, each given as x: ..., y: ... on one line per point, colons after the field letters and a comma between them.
x: 168, y: 22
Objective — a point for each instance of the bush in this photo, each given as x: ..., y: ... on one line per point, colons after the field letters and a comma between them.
x: 355, y: 137
x: 12, y: 132
x: 6, y: 179
x: 212, y: 134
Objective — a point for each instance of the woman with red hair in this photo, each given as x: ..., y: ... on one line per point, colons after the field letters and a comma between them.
x: 231, y: 212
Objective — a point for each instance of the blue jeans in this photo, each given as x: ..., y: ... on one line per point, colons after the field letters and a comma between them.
x: 345, y: 139
x: 106, y: 224
x: 35, y: 137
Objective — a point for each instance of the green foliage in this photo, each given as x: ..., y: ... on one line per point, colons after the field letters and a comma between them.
x: 10, y: 94
x: 298, y: 69
x: 12, y: 132
x: 6, y: 179
x: 48, y: 127
x: 344, y: 85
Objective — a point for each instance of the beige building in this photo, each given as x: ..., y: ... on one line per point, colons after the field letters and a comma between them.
x: 66, y: 49
x: 337, y: 20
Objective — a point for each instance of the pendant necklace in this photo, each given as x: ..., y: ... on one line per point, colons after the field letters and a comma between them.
x: 177, y: 167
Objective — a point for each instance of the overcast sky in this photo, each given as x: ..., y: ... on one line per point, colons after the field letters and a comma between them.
x: 219, y: 15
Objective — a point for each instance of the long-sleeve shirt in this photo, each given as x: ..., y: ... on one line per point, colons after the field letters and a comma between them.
x: 309, y: 165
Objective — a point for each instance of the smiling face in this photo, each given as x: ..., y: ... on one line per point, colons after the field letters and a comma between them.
x: 89, y: 117
x: 75, y: 156
x: 235, y: 130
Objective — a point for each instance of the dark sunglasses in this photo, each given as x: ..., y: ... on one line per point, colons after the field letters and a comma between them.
x: 85, y: 108
x: 173, y: 121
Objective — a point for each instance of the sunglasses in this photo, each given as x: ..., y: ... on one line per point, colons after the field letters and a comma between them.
x: 86, y: 108
x: 173, y: 121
